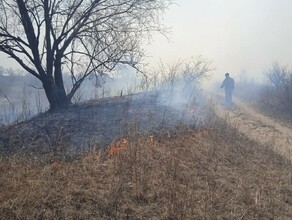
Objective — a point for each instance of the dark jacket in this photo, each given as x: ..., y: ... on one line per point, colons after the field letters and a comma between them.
x: 228, y: 83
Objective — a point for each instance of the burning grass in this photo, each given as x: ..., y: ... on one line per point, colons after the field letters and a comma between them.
x: 213, y: 173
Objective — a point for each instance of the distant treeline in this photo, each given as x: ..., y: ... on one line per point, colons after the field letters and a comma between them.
x: 13, y: 82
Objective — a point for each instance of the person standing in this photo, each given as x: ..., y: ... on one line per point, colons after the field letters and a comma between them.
x: 228, y: 85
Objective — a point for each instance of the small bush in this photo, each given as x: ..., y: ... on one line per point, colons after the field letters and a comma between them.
x: 278, y: 91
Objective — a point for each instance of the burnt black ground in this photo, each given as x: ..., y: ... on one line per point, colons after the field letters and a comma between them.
x: 95, y: 124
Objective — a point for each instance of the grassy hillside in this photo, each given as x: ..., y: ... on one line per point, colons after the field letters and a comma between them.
x: 210, y: 173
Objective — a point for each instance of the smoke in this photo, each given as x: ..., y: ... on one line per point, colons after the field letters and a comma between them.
x: 21, y: 96
x: 175, y: 87
x: 178, y: 89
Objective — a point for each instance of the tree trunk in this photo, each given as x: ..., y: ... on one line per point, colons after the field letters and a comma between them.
x: 56, y: 95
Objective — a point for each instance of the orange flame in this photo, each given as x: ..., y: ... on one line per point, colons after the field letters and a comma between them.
x: 117, y: 146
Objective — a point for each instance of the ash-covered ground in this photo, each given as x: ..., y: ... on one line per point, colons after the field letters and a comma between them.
x: 96, y: 124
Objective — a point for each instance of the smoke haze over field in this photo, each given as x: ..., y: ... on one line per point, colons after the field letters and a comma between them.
x: 238, y: 36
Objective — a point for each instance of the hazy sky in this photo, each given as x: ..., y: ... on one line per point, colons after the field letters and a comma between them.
x: 237, y: 35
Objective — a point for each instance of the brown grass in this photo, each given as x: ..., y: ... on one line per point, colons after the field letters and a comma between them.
x: 214, y: 173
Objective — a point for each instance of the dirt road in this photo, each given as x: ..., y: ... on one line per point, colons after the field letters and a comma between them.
x: 265, y: 130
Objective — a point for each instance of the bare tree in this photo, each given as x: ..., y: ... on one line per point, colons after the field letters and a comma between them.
x: 279, y: 77
x: 82, y: 37
x: 188, y: 72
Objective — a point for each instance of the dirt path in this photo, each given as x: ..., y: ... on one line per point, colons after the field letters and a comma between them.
x: 256, y: 126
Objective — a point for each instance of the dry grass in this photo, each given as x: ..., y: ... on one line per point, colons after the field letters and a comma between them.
x: 214, y: 173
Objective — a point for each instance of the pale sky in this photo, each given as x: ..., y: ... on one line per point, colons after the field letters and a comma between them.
x: 237, y: 35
